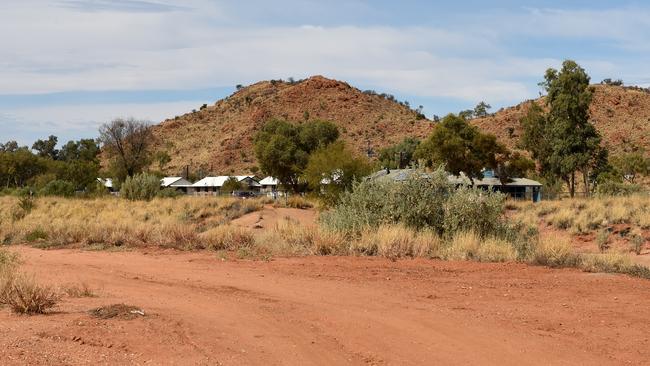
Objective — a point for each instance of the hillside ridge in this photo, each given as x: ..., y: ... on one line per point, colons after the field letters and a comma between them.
x: 218, y: 138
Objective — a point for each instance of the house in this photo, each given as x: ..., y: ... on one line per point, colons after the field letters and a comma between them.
x: 269, y: 185
x: 179, y: 183
x: 108, y: 183
x: 515, y: 188
x: 212, y: 185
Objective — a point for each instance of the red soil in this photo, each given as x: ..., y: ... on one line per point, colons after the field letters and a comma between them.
x: 328, y: 311
x: 268, y: 217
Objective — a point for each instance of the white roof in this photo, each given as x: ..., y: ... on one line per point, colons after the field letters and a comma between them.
x: 399, y: 175
x: 220, y: 180
x: 269, y: 181
x: 175, y: 181
x: 108, y: 182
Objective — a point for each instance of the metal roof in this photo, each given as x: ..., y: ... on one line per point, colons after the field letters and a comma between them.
x: 400, y: 175
x: 269, y: 181
x: 220, y: 180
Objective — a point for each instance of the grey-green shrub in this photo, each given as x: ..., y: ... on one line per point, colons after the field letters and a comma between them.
x: 58, y: 187
x: 140, y: 187
x: 474, y: 210
x: 422, y: 201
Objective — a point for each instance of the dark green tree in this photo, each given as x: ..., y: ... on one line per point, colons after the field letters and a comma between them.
x: 481, y: 109
x: 461, y: 147
x: 283, y: 148
x: 400, y: 155
x: 333, y: 169
x: 563, y: 140
x: 631, y: 166
x: 47, y: 148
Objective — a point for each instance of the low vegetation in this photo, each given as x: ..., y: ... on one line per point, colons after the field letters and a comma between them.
x: 20, y: 292
x: 111, y: 223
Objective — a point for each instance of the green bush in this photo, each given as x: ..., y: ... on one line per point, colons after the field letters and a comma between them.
x: 613, y: 188
x: 422, y: 201
x: 475, y: 211
x: 58, y: 188
x: 140, y: 187
x: 169, y: 193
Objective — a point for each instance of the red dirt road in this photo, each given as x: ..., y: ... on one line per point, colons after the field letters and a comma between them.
x: 201, y: 310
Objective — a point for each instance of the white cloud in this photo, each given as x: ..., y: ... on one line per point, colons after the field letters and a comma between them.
x: 147, y: 44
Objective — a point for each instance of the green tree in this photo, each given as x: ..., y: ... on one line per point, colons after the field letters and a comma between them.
x: 481, y: 109
x: 47, y: 148
x: 283, y: 149
x: 513, y: 165
x: 230, y: 185
x: 563, y: 140
x: 631, y: 165
x: 127, y: 143
x: 84, y: 150
x: 461, y: 147
x: 400, y: 155
x: 333, y: 169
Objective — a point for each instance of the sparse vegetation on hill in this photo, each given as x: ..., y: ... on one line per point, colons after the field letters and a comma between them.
x: 620, y: 114
x: 219, y: 138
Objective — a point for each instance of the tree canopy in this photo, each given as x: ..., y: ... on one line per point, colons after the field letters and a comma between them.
x: 400, y: 155
x: 283, y: 148
x: 461, y: 147
x: 127, y: 143
x: 337, y: 167
x: 563, y: 140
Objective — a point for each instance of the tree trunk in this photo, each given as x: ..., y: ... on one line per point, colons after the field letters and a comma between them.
x: 585, y: 175
x: 572, y: 187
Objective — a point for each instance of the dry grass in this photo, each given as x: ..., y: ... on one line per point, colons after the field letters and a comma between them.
x: 397, y: 242
x: 113, y: 222
x: 24, y: 295
x: 79, y: 290
x: 555, y: 251
x: 121, y: 311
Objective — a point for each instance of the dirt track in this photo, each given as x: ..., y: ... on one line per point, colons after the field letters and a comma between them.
x: 329, y: 311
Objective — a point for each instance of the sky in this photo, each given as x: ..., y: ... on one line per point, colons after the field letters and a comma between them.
x: 67, y: 66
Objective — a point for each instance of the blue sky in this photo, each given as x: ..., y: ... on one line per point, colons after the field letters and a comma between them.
x: 66, y: 66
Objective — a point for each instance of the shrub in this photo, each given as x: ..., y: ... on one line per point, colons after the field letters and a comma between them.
x: 608, y: 263
x: 77, y: 291
x: 58, y: 187
x: 496, y: 250
x: 476, y: 211
x: 226, y: 237
x: 555, y: 251
x: 602, y: 239
x: 24, y: 296
x: 613, y: 188
x: 140, y: 187
x: 421, y: 201
x: 169, y: 193
x: 462, y: 246
x: 36, y: 234
x: 8, y: 260
x: 397, y: 242
x: 637, y: 242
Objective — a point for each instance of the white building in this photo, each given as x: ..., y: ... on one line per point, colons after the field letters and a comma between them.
x: 179, y: 183
x: 212, y: 185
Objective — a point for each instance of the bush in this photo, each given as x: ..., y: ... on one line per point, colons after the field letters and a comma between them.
x: 476, y: 211
x: 555, y: 252
x: 169, y: 193
x: 419, y: 202
x: 142, y: 187
x: 24, y: 296
x: 58, y: 187
x: 613, y: 188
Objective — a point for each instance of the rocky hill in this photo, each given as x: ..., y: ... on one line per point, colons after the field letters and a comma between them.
x: 621, y: 114
x: 218, y: 139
